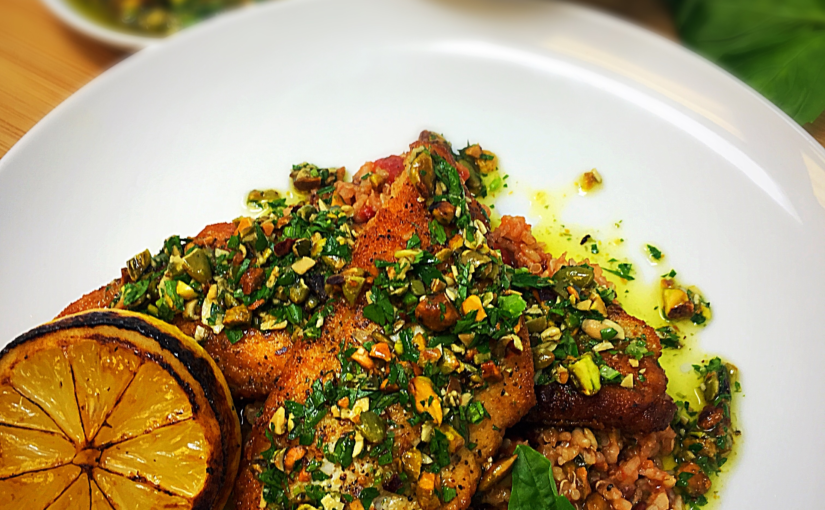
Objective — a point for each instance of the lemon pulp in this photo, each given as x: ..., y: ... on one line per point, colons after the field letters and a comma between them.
x: 95, y: 422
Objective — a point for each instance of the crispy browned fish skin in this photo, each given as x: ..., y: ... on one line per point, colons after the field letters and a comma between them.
x: 386, y: 233
x: 644, y: 408
x: 250, y: 366
x: 506, y: 401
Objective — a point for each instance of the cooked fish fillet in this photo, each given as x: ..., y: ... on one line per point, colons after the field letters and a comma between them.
x: 251, y: 366
x: 642, y: 409
x: 507, y: 401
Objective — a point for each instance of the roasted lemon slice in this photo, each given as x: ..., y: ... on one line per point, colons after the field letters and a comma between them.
x: 114, y: 410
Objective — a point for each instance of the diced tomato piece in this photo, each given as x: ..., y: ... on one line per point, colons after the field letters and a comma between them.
x: 365, y: 214
x: 394, y: 165
x: 462, y: 172
x: 507, y: 257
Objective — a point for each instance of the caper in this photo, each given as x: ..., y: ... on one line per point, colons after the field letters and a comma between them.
x: 580, y: 276
x: 312, y: 302
x: 302, y: 247
x: 372, y: 427
x: 417, y: 287
x: 536, y: 325
x: 490, y: 271
x: 422, y: 174
x: 474, y: 182
x: 306, y: 211
x: 136, y: 265
x: 299, y: 292
x: 196, y: 264
x: 543, y: 356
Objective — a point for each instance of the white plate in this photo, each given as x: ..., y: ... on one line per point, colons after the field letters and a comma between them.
x: 172, y: 139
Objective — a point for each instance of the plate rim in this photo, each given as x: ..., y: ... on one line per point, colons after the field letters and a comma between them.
x: 660, y: 49
x: 148, y: 46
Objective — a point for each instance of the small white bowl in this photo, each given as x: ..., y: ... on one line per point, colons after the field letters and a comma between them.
x: 80, y: 22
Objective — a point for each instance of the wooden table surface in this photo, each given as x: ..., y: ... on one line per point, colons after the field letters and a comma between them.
x: 42, y: 62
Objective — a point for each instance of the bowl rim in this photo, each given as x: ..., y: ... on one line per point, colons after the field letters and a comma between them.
x: 81, y: 23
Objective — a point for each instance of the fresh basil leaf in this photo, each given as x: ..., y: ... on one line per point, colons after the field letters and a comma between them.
x: 533, y: 483
x: 777, y: 47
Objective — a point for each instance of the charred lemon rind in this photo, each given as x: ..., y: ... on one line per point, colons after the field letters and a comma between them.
x: 164, y: 345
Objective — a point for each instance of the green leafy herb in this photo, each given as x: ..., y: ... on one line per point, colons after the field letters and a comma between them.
x: 476, y: 413
x: 414, y: 242
x: 669, y: 337
x: 609, y: 374
x: 698, y: 319
x: 234, y: 335
x: 622, y: 270
x: 447, y: 494
x: 133, y: 292
x: 637, y: 349
x: 437, y: 233
x: 367, y: 496
x: 380, y: 311
x: 522, y: 278
x: 776, y: 46
x: 533, y: 483
x: 655, y: 252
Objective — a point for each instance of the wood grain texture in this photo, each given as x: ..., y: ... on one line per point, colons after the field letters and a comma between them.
x: 42, y: 62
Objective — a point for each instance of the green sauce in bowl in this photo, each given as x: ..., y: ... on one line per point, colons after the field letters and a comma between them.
x: 152, y: 17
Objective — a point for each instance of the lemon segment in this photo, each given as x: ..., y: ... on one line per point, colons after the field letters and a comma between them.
x: 172, y: 458
x: 76, y: 496
x: 45, y: 378
x: 112, y: 410
x: 17, y: 410
x: 33, y: 491
x: 99, y: 501
x: 128, y: 495
x: 101, y: 374
x: 23, y: 450
x: 140, y: 411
